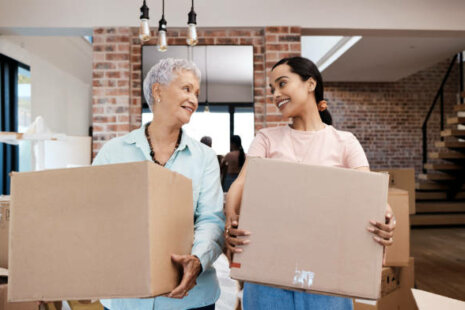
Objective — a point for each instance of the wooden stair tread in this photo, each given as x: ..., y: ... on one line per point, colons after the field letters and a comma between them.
x: 446, y: 155
x: 459, y: 107
x: 435, y: 177
x: 449, y: 144
x: 431, y: 166
x: 439, y: 206
x: 433, y: 186
x: 455, y: 120
x: 437, y: 219
x: 420, y: 195
x: 453, y: 132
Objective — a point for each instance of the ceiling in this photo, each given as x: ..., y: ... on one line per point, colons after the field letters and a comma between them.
x: 387, y: 59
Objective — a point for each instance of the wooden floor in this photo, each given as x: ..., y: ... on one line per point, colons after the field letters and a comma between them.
x: 440, y: 260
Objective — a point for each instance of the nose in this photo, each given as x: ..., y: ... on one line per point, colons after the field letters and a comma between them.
x: 276, y: 95
x: 194, y: 101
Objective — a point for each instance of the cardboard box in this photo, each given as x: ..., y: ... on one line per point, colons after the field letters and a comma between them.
x: 399, y: 252
x: 98, y: 232
x: 308, y: 228
x: 4, y: 227
x: 5, y: 305
x: 430, y: 301
x: 389, y: 280
x: 399, y: 299
x: 403, y: 178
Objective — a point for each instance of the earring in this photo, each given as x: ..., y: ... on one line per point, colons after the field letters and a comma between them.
x: 158, y: 100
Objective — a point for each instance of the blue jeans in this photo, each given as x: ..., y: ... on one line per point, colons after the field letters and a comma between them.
x: 260, y: 297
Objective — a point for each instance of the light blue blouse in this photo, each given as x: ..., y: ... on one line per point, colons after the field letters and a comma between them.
x: 199, y: 163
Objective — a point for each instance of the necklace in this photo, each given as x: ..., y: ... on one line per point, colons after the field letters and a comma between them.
x: 301, y: 160
x: 152, y: 152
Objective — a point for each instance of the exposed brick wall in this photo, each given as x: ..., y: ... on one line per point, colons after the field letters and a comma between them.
x: 387, y: 117
x: 280, y: 42
x: 117, y: 78
x: 111, y: 84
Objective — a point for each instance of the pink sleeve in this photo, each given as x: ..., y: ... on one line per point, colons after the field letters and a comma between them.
x: 354, y: 155
x: 259, y: 146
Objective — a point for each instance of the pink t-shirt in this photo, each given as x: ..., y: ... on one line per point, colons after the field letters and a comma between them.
x: 325, y: 147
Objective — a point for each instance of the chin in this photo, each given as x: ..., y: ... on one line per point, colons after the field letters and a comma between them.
x: 183, y: 120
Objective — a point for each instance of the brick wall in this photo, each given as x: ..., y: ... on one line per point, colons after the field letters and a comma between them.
x: 117, y: 79
x: 387, y: 117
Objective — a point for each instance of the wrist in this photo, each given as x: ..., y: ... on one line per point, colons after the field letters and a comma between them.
x: 198, y: 264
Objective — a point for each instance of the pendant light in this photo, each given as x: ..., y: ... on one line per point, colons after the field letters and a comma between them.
x: 162, y: 41
x: 192, y: 39
x: 144, y: 29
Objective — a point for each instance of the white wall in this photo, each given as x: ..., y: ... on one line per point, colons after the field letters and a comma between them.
x: 61, y: 79
x: 18, y: 15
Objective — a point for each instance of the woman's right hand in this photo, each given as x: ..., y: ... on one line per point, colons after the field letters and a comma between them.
x: 234, y: 237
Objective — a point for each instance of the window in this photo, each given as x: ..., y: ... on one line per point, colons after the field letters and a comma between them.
x: 219, y: 123
x: 14, y: 91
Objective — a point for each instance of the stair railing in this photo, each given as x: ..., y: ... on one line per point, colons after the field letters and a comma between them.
x: 439, y: 95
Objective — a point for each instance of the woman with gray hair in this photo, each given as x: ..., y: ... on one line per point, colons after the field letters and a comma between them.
x: 171, y: 88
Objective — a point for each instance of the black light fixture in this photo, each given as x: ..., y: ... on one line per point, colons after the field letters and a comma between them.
x: 162, y: 42
x: 144, y: 29
x: 192, y: 39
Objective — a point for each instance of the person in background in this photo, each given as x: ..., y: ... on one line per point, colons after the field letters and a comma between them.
x: 297, y: 89
x: 232, y: 162
x: 171, y: 88
x: 207, y: 141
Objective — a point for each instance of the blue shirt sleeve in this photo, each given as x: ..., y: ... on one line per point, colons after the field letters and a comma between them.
x: 209, y: 216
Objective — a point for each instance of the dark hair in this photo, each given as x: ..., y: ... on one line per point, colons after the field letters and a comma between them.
x: 306, y: 69
x: 236, y: 140
x: 206, y: 140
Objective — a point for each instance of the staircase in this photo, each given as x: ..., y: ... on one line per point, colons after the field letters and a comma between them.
x: 440, y: 189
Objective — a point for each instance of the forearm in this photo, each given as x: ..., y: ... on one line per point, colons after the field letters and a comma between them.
x: 234, y: 198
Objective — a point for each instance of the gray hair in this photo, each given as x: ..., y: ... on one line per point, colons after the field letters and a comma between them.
x: 163, y: 73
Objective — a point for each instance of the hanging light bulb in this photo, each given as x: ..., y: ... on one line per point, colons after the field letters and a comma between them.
x: 144, y: 29
x: 162, y: 41
x: 192, y: 39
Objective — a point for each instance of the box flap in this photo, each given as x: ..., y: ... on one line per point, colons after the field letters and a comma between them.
x: 430, y: 301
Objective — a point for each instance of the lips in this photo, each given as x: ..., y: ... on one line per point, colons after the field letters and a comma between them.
x: 282, y: 102
x: 190, y: 109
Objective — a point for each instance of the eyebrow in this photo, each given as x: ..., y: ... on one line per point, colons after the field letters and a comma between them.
x: 281, y: 77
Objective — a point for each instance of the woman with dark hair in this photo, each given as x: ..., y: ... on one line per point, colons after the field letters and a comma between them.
x: 232, y: 163
x: 297, y: 89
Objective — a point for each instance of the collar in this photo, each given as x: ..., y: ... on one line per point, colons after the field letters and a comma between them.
x: 138, y: 138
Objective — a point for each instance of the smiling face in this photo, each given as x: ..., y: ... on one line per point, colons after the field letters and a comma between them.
x: 290, y: 94
x: 178, y: 99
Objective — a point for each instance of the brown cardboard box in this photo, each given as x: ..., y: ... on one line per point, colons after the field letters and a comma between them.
x: 389, y: 280
x: 98, y: 232
x: 308, y: 228
x: 81, y: 305
x: 399, y: 299
x: 4, y: 226
x: 403, y: 178
x: 5, y: 305
x: 430, y: 301
x: 399, y: 252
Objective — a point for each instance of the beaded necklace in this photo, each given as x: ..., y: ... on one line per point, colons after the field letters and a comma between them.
x: 152, y: 152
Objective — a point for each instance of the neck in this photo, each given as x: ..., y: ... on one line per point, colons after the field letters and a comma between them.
x: 162, y: 133
x: 308, y: 121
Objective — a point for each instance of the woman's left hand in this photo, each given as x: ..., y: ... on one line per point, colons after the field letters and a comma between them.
x: 383, y: 232
x: 191, y: 269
